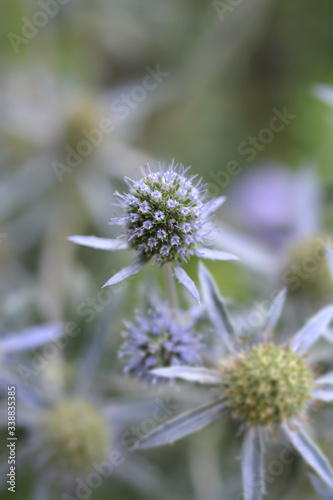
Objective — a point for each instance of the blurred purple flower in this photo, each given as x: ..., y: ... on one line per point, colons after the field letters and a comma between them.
x: 264, y: 386
x: 156, y: 340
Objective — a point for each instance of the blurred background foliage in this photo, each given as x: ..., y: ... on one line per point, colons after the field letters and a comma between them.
x: 226, y: 73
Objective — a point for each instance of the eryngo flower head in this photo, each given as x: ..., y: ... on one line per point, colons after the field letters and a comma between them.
x: 75, y: 434
x: 166, y: 218
x: 156, y: 340
x: 263, y: 386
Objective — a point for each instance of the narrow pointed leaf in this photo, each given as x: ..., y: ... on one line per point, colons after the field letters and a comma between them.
x: 99, y: 243
x: 216, y: 309
x: 310, y: 452
x: 275, y: 311
x: 310, y: 333
x: 325, y: 395
x: 184, y: 424
x: 31, y: 337
x: 212, y: 254
x: 125, y: 273
x: 323, y: 390
x: 321, y: 488
x: 190, y: 373
x: 188, y: 283
x: 213, y: 205
x: 252, y: 465
x: 325, y: 379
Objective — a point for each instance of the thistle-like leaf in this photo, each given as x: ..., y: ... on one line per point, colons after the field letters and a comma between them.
x: 310, y: 452
x: 252, y: 465
x: 216, y: 309
x: 184, y: 424
x: 99, y: 243
x: 188, y: 283
x: 190, y: 373
x: 31, y: 337
x: 212, y: 254
x: 321, y: 488
x: 126, y: 273
x: 310, y: 333
x: 275, y: 311
x: 213, y: 205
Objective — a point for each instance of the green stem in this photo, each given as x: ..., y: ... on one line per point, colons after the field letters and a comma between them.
x: 171, y: 289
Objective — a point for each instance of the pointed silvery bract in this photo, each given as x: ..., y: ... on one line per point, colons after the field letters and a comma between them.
x: 184, y: 424
x: 190, y: 373
x: 275, y: 312
x: 321, y: 488
x: 99, y: 243
x: 212, y: 254
x: 31, y: 337
x: 216, y: 309
x: 252, y: 465
x: 323, y: 390
x: 310, y: 452
x: 213, y: 205
x: 326, y: 379
x: 126, y: 273
x: 325, y: 395
x: 310, y: 333
x: 188, y: 283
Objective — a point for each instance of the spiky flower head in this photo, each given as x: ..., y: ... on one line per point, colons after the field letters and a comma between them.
x: 165, y: 214
x: 267, y: 385
x: 158, y: 340
x: 167, y: 219
x: 75, y: 435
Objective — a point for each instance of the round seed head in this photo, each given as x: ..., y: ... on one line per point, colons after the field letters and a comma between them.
x: 267, y: 385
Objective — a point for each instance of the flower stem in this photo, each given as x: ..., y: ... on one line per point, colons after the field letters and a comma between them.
x: 171, y: 289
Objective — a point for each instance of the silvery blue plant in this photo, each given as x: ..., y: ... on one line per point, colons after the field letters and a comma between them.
x: 159, y: 338
x: 166, y: 219
x: 321, y: 488
x: 76, y: 440
x: 30, y: 338
x: 264, y: 386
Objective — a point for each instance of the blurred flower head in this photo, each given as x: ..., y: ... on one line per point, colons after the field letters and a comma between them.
x: 75, y: 434
x: 266, y: 387
x: 157, y: 339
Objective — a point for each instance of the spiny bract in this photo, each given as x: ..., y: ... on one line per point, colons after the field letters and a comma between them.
x: 267, y: 385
